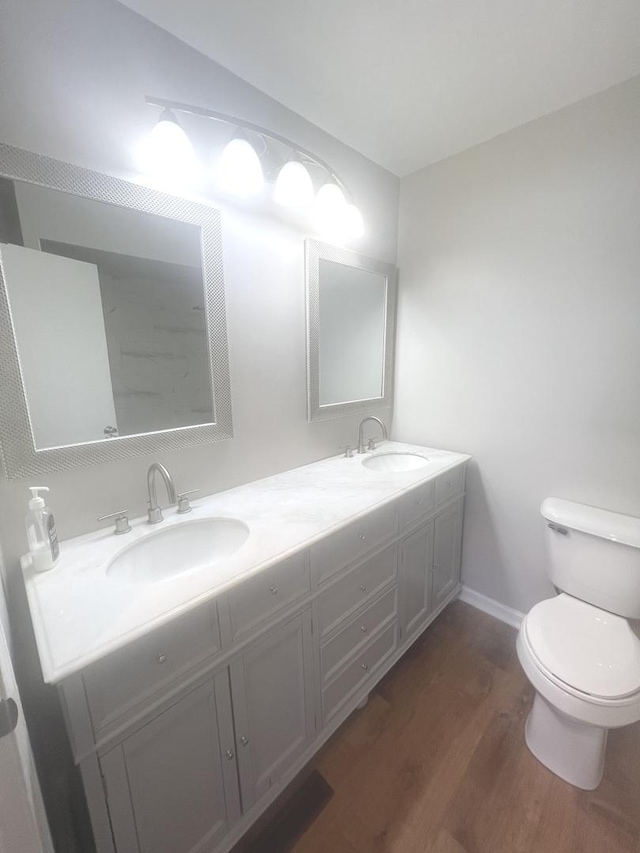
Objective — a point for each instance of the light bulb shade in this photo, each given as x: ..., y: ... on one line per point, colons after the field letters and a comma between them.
x: 239, y: 169
x: 294, y: 187
x: 169, y: 154
x: 353, y: 222
x: 330, y: 210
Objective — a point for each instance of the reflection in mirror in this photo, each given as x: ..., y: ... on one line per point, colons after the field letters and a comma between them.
x: 108, y: 311
x: 352, y: 331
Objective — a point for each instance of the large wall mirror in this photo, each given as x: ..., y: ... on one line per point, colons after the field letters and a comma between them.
x: 351, y: 303
x: 112, y: 318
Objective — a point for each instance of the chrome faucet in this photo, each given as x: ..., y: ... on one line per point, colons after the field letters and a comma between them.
x: 372, y: 446
x: 155, y: 511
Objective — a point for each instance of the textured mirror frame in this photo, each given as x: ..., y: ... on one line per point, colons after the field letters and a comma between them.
x: 19, y: 455
x: 315, y: 251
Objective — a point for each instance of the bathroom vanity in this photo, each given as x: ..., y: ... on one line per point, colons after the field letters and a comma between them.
x: 191, y: 701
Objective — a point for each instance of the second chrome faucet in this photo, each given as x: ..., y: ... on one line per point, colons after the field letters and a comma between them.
x: 154, y: 512
x: 371, y: 444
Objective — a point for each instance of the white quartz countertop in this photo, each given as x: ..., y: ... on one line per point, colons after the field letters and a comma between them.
x: 81, y: 614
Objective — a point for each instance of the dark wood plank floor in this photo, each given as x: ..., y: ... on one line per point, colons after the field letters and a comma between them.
x: 437, y: 763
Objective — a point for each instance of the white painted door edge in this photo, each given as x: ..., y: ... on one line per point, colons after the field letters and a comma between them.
x: 491, y: 606
x: 23, y: 823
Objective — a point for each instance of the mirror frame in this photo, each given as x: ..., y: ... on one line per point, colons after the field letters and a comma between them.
x: 315, y: 251
x: 19, y: 454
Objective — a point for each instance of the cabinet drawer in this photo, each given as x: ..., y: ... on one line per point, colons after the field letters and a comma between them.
x: 357, y: 633
x: 264, y: 595
x: 359, y: 670
x: 132, y: 675
x: 449, y: 484
x: 349, y: 594
x: 335, y: 552
x: 416, y: 504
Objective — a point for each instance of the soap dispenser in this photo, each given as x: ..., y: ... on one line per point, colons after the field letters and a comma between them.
x: 41, y: 532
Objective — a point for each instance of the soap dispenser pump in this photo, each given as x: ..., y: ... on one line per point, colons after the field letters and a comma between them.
x: 41, y: 532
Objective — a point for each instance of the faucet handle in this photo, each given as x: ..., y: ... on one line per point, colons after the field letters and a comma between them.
x: 183, y: 501
x: 348, y: 451
x: 372, y: 444
x: 122, y: 521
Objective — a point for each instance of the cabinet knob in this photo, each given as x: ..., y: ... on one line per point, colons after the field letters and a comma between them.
x: 362, y: 537
x: 365, y: 666
x: 244, y: 740
x: 273, y: 590
x: 363, y: 587
x: 363, y: 628
x: 419, y: 502
x: 230, y: 754
x: 162, y: 658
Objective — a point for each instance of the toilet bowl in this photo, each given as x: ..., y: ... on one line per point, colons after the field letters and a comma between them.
x: 582, y: 659
x: 584, y: 664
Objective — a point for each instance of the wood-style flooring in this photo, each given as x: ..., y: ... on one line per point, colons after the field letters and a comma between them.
x: 437, y: 763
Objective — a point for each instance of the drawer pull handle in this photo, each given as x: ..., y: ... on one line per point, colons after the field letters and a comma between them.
x: 230, y: 754
x: 162, y: 658
x: 244, y: 741
x: 365, y: 666
x: 273, y: 590
x: 363, y: 587
x: 362, y: 537
x: 364, y: 629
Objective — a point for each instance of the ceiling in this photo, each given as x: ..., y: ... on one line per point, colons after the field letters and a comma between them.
x: 409, y: 82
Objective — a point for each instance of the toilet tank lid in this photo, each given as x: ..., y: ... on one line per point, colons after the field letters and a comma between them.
x: 589, y: 519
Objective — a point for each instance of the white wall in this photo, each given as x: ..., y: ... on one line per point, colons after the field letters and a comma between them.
x: 74, y: 77
x: 519, y: 327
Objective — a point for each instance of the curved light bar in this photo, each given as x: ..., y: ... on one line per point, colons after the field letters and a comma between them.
x: 240, y: 173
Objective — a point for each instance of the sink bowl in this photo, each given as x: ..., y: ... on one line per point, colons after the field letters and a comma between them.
x: 394, y: 462
x: 181, y: 548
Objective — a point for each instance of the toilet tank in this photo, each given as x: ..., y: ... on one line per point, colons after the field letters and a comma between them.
x: 594, y: 555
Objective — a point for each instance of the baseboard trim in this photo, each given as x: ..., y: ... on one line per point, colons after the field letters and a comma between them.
x: 491, y: 606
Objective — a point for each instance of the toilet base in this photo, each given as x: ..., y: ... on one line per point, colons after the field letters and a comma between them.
x: 572, y: 750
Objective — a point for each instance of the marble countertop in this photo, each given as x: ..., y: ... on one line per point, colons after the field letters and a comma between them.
x: 80, y: 614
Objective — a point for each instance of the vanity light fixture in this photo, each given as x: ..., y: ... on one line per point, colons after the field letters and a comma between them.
x: 294, y: 187
x: 169, y: 153
x: 239, y: 170
x: 242, y: 170
x: 330, y: 211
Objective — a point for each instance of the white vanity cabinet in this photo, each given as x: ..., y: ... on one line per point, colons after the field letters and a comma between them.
x: 447, y: 542
x: 170, y: 785
x: 415, y: 580
x: 186, y: 736
x: 429, y: 568
x: 272, y: 694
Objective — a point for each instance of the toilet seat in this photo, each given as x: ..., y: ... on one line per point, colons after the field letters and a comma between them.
x: 590, y: 653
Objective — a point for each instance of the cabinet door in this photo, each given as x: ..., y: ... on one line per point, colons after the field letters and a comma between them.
x: 415, y: 580
x: 170, y: 786
x: 272, y: 691
x: 446, y: 552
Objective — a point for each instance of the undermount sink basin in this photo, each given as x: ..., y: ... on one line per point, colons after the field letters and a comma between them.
x: 395, y: 462
x: 181, y: 548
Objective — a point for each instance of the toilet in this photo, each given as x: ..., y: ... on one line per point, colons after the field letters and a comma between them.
x: 579, y: 649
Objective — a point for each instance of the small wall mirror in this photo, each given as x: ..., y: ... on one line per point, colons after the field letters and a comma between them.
x: 350, y: 331
x: 112, y: 322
